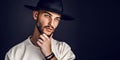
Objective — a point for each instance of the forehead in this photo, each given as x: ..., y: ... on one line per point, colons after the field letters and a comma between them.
x: 49, y: 12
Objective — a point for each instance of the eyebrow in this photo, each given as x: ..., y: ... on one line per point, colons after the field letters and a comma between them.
x: 47, y: 13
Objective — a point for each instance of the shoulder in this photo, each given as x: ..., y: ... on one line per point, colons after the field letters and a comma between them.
x: 64, y: 51
x: 16, y: 49
x: 61, y: 45
x: 18, y: 46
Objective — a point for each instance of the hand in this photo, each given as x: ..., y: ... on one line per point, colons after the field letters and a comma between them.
x: 45, y: 44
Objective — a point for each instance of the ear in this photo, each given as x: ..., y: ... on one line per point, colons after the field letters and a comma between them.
x: 35, y: 15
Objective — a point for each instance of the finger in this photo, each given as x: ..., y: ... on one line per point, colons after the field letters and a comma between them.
x: 46, y: 36
x: 42, y: 37
x: 41, y: 41
x: 51, y: 36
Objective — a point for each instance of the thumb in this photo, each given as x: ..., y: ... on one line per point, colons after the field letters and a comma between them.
x: 51, y: 36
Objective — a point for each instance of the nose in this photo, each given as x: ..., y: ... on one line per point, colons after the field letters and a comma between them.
x: 51, y: 22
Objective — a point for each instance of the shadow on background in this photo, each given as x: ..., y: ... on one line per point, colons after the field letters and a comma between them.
x: 94, y: 35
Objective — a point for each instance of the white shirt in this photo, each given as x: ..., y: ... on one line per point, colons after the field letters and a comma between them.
x: 27, y: 51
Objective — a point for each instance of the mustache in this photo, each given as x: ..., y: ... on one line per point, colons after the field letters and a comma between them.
x: 48, y: 26
x: 40, y: 28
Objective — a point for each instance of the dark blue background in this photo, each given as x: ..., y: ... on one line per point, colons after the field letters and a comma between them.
x: 94, y: 35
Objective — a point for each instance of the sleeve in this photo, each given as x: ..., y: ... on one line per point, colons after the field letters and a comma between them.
x: 7, y: 57
x: 66, y: 52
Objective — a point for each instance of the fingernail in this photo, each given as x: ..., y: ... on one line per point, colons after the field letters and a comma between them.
x: 43, y: 34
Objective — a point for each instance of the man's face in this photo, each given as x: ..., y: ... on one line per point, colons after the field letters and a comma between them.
x: 47, y: 21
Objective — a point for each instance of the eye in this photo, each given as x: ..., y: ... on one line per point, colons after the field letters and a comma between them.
x: 57, y: 19
x: 47, y: 15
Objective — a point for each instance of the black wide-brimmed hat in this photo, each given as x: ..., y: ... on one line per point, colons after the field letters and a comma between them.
x: 51, y: 5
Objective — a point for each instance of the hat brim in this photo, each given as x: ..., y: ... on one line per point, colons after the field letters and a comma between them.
x: 63, y: 15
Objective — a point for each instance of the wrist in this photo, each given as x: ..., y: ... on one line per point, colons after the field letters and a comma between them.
x: 47, y: 53
x: 50, y: 56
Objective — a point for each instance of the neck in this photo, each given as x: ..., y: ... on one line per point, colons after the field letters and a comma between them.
x: 35, y: 36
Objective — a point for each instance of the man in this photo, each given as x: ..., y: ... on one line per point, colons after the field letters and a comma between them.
x: 40, y: 45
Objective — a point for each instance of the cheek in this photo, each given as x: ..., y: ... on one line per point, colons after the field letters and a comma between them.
x: 43, y: 21
x: 56, y: 24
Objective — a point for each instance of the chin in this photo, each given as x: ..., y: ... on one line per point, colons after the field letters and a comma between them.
x: 48, y: 33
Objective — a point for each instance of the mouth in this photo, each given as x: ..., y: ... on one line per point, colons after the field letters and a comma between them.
x: 49, y: 30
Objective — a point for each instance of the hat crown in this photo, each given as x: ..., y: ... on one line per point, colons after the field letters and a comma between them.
x: 50, y: 4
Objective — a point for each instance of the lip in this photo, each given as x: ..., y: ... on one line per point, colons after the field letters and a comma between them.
x: 48, y: 30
